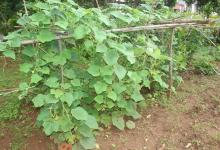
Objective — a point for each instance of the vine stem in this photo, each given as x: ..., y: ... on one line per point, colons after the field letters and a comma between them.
x: 25, y: 7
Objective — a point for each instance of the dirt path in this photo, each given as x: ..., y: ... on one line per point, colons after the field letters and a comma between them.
x: 190, y: 121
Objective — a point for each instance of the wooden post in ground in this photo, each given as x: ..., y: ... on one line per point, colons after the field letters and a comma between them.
x: 171, y: 64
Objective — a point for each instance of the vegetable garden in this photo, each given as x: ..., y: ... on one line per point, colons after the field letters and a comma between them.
x: 85, y: 69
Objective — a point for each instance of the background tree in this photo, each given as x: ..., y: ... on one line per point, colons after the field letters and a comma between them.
x: 207, y: 6
x: 170, y: 3
x: 8, y: 14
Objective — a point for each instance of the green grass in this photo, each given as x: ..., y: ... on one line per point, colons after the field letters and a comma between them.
x: 10, y: 107
x: 13, y: 121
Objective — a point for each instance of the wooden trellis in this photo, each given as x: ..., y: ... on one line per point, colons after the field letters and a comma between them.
x: 154, y: 26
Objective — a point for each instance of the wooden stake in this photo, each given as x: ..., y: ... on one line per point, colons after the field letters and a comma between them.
x: 97, y: 4
x: 171, y: 64
x: 61, y: 67
x: 25, y: 7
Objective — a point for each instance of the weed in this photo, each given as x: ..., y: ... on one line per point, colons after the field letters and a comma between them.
x: 10, y: 108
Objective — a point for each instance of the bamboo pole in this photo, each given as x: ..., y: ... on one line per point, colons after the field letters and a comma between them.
x: 152, y: 27
x: 128, y: 29
x: 59, y: 42
x: 199, y: 21
x: 171, y: 64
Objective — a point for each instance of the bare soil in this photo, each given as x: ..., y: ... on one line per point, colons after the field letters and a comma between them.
x: 191, y: 120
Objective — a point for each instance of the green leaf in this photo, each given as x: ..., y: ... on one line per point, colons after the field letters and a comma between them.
x: 131, y: 59
x: 50, y: 126
x: 104, y: 19
x: 100, y: 87
x: 35, y: 78
x: 105, y: 119
x: 69, y: 73
x: 78, y: 95
x: 44, y: 70
x: 101, y: 48
x: 91, y: 122
x: 108, y: 79
x: 94, y: 70
x: 40, y: 17
x: 118, y: 122
x: 42, y: 5
x: 81, y: 31
x: 85, y: 131
x: 100, y: 35
x: 79, y: 113
x: 88, y: 142
x: 88, y: 44
x: 65, y: 124
x: 120, y: 71
x: 24, y: 20
x: 38, y: 100
x: 130, y: 124
x: 160, y: 81
x: 134, y: 76
x: 23, y: 86
x: 29, y: 51
x: 2, y: 47
x: 56, y: 92
x: 99, y: 99
x: 59, y: 60
x: 49, y: 99
x: 111, y: 57
x: 44, y: 114
x: 9, y: 53
x: 112, y: 95
x: 121, y: 16
x: 45, y: 36
x: 106, y: 70
x: 76, y: 82
x: 131, y: 110
x: 68, y: 98
x: 136, y: 95
x: 52, y: 82
x: 15, y: 42
x: 62, y: 24
x: 119, y: 88
x: 122, y: 103
x: 25, y: 67
x: 66, y: 86
x: 110, y: 104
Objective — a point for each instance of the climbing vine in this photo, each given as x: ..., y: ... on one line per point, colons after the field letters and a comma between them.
x: 94, y: 77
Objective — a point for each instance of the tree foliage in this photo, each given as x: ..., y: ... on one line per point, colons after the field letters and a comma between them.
x: 207, y: 6
x: 8, y: 13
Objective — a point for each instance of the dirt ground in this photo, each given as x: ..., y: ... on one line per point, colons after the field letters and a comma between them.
x: 191, y: 120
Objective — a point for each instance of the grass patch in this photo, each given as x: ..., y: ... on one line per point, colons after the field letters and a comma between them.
x: 9, y: 108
